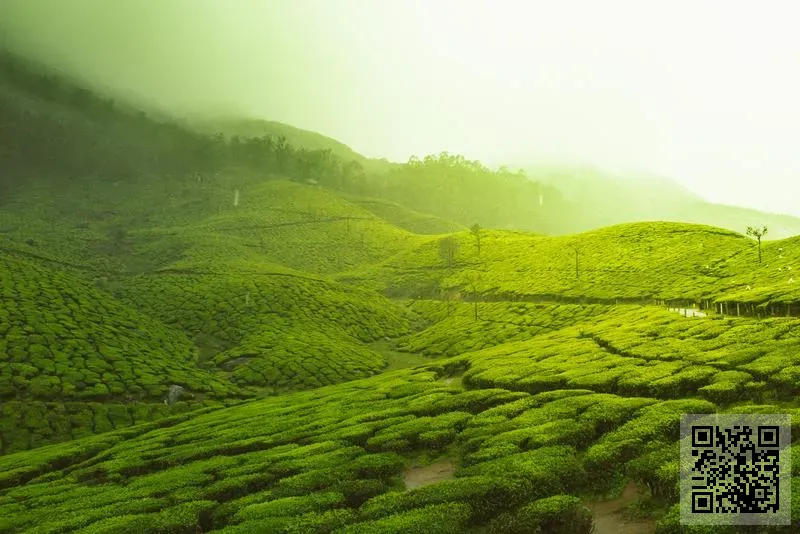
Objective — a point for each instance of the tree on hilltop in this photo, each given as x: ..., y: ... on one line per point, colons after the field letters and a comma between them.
x: 448, y: 247
x: 476, y: 232
x: 757, y: 233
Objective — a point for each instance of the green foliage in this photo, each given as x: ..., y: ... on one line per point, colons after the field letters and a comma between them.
x: 559, y: 513
x: 485, y: 495
x: 448, y: 518
x: 280, y: 331
x: 92, y: 343
x: 633, y: 263
x: 658, y: 469
x: 457, y: 189
x: 190, y: 260
x: 290, y: 506
x: 545, y: 471
x: 402, y: 217
x: 500, y: 323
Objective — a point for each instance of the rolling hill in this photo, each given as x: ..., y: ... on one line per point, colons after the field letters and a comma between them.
x: 602, y: 199
x: 349, y: 363
x: 247, y: 127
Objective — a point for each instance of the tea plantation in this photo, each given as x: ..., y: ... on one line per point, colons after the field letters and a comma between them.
x: 548, y: 370
x: 235, y: 335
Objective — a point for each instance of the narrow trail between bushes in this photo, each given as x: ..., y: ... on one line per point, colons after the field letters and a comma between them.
x: 608, y: 518
x: 416, y: 477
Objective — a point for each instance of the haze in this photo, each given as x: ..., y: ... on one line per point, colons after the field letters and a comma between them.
x: 702, y: 91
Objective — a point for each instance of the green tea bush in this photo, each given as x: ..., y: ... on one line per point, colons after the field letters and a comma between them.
x: 559, y: 513
x: 547, y: 470
x: 291, y: 506
x: 485, y: 495
x: 450, y: 518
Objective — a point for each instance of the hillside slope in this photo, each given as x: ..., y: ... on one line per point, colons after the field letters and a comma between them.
x: 601, y: 199
x: 405, y: 218
x: 527, y: 376
x: 526, y: 425
x: 245, y: 127
x: 637, y: 261
x: 125, y: 274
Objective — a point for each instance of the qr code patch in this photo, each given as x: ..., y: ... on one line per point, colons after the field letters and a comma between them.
x: 735, y: 469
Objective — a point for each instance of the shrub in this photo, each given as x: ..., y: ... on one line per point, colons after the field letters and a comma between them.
x: 378, y: 465
x: 357, y: 491
x: 546, y: 470
x: 291, y: 506
x: 450, y: 518
x: 564, y: 514
x: 486, y: 496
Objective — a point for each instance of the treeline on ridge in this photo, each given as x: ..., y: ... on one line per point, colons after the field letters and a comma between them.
x: 55, y: 127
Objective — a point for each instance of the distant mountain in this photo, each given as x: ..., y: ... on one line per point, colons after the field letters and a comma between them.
x: 600, y: 199
x: 591, y: 199
x: 57, y: 127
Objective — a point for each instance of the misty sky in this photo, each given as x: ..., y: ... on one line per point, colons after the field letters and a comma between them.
x: 707, y: 92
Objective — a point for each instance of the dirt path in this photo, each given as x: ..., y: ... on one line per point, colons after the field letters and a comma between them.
x: 608, y: 517
x: 415, y: 477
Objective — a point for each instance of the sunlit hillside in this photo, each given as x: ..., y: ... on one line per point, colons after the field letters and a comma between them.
x: 206, y: 335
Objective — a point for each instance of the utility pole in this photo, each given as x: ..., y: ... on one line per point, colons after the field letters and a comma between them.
x: 577, y: 269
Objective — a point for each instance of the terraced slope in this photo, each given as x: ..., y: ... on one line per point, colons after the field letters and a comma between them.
x: 653, y: 352
x: 625, y: 262
x: 770, y: 283
x: 275, y: 329
x: 169, y: 272
x: 154, y: 223
x: 64, y: 339
x: 529, y: 443
x: 455, y: 330
x: 301, y: 227
x: 402, y: 217
x: 642, y: 263
x: 73, y: 360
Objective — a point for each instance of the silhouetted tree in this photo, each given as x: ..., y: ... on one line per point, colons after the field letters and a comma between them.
x: 577, y: 250
x: 476, y: 230
x: 448, y: 247
x: 450, y: 296
x: 353, y: 175
x: 473, y: 279
x: 758, y: 233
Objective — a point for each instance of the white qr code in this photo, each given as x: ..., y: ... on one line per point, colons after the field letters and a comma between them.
x: 735, y: 469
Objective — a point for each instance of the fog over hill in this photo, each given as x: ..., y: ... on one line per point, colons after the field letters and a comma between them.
x: 225, y: 309
x: 504, y: 82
